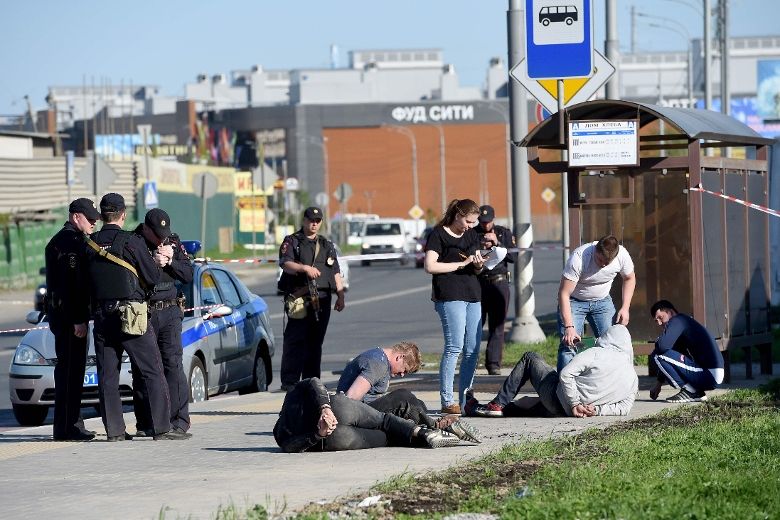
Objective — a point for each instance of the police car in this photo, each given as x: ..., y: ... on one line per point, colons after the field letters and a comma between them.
x: 226, y: 334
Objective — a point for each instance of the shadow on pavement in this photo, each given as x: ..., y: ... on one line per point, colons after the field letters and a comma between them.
x: 258, y: 450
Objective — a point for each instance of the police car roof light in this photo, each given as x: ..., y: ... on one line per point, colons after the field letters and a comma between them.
x: 191, y: 246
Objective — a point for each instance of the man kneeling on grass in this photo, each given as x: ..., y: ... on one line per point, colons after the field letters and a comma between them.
x: 598, y: 381
x: 312, y: 419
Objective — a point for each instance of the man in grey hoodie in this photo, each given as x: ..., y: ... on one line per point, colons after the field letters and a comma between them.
x: 598, y: 381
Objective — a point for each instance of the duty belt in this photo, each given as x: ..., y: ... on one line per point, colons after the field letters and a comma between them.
x: 495, y: 278
x: 162, y: 304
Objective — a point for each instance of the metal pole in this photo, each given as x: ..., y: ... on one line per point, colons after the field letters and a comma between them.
x: 203, y: 213
x: 633, y: 29
x: 564, y: 175
x: 326, y: 181
x: 690, y: 75
x: 612, y: 49
x: 525, y: 327
x: 707, y: 42
x: 725, y: 96
x: 442, y: 169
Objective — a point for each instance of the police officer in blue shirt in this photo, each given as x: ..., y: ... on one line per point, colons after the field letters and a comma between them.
x: 310, y: 270
x: 114, y: 286
x: 166, y: 316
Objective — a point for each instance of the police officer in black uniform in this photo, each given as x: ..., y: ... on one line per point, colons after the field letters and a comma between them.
x: 495, y: 286
x: 113, y: 285
x: 166, y: 316
x: 67, y: 306
x: 307, y: 258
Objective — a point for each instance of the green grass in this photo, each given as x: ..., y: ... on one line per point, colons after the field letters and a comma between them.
x: 718, y: 460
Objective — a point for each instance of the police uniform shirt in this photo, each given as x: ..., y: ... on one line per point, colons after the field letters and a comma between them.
x: 67, y: 300
x: 179, y: 269
x: 135, y: 253
x: 300, y: 249
x: 505, y: 239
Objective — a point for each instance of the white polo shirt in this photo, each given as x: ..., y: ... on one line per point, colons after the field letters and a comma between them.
x: 594, y: 282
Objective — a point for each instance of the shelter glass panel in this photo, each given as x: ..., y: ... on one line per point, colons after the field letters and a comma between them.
x: 715, y: 286
x: 736, y: 248
x: 759, y: 271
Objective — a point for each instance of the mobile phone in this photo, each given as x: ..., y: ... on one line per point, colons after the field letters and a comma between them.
x: 487, y: 252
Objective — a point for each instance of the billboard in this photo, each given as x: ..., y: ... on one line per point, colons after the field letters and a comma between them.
x: 768, y: 89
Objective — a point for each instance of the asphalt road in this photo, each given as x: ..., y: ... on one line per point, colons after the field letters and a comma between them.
x: 386, y: 303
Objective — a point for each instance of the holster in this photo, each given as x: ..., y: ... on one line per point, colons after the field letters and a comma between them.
x: 134, y: 317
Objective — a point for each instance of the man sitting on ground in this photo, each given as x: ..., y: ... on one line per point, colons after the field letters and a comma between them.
x: 367, y: 378
x: 686, y: 355
x: 598, y: 381
x: 313, y: 420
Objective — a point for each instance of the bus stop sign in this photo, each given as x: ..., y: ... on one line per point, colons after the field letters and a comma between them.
x: 559, y: 39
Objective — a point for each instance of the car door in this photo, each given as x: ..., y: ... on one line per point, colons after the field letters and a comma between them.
x: 220, y: 339
x: 244, y: 323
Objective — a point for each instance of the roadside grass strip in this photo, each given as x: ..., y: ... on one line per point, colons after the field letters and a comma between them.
x: 719, y: 459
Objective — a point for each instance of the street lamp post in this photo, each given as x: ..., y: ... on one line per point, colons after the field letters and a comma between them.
x: 442, y: 168
x: 507, y: 131
x: 681, y: 30
x: 415, y: 184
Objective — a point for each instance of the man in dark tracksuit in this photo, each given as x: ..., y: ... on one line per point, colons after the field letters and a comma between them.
x: 67, y: 306
x: 495, y: 287
x: 305, y: 257
x: 165, y: 315
x: 113, y: 286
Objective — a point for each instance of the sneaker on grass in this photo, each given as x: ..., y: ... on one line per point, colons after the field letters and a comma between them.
x: 684, y: 396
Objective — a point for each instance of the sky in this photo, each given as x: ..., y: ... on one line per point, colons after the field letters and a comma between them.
x: 169, y: 42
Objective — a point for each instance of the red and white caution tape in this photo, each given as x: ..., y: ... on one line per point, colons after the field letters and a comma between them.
x: 745, y: 203
x: 11, y: 331
x: 15, y: 302
x: 238, y: 260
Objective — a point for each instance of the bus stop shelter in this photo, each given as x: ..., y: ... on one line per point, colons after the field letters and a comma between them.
x: 707, y: 254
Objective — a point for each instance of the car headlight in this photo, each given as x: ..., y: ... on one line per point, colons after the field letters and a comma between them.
x: 26, y: 355
x: 418, y: 247
x: 365, y: 246
x: 41, y: 290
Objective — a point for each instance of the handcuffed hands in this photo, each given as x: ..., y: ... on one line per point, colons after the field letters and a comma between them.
x: 327, y: 423
x: 583, y: 410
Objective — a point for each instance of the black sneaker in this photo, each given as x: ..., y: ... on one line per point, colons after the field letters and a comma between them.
x: 471, y: 402
x: 172, y: 435
x: 684, y: 396
x: 144, y: 433
x: 116, y: 438
x: 77, y: 436
x: 438, y: 438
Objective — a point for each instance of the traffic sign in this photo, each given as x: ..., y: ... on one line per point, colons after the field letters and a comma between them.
x: 343, y: 192
x: 205, y: 184
x: 558, y: 39
x: 416, y: 212
x: 548, y: 195
x: 321, y: 199
x: 575, y: 90
x: 150, y: 195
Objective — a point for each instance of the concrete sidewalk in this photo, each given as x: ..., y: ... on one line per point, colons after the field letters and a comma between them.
x: 232, y: 458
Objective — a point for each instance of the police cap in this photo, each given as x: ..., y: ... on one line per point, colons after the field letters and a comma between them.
x: 85, y: 207
x: 312, y: 213
x: 486, y: 213
x: 159, y: 222
x: 112, y: 203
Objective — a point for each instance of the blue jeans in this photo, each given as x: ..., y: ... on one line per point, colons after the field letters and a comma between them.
x: 599, y: 314
x: 461, y: 323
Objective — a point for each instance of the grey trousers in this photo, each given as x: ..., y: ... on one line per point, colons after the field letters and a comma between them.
x: 543, y: 377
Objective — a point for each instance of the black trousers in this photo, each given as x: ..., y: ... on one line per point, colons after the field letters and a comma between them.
x: 404, y: 404
x: 302, y: 345
x: 110, y: 344
x: 68, y: 380
x: 167, y: 328
x: 495, y: 306
x: 361, y: 426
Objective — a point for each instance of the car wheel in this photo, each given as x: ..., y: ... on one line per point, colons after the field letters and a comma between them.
x: 404, y: 260
x: 30, y: 414
x: 198, y: 382
x: 259, y: 377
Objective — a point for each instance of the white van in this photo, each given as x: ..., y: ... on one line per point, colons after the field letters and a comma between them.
x: 387, y: 235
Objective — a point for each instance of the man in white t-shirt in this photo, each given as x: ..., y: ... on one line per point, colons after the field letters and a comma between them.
x: 584, y: 292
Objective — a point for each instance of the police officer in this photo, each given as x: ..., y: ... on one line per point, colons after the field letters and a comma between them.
x: 165, y: 315
x: 114, y: 287
x: 495, y: 286
x: 310, y: 269
x: 67, y: 306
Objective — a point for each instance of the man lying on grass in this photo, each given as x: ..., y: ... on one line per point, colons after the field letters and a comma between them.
x: 598, y: 381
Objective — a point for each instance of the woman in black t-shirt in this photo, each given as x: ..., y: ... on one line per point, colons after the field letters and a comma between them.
x: 452, y: 257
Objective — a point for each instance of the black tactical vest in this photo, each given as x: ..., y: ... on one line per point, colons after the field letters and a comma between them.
x: 304, y: 251
x: 111, y: 281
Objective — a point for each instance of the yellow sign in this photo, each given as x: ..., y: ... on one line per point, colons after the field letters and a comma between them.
x: 242, y: 184
x: 251, y: 220
x: 416, y: 212
x: 570, y: 87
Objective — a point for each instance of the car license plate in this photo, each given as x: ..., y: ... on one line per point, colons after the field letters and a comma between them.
x: 90, y: 379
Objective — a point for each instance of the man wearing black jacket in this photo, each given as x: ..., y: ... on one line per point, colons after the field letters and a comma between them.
x: 67, y: 307
x: 165, y: 315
